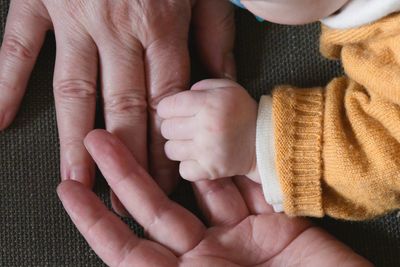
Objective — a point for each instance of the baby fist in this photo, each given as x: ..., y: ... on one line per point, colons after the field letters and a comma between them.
x: 211, y: 129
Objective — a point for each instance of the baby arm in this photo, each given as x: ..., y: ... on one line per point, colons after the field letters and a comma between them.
x: 211, y: 130
x: 338, y: 148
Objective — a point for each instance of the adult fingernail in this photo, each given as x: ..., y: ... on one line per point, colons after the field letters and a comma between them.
x: 230, y: 67
x: 81, y: 174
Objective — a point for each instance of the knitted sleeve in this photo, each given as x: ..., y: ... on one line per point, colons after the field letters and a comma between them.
x: 338, y: 148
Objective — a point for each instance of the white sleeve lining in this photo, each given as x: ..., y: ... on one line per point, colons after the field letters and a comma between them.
x: 265, y: 152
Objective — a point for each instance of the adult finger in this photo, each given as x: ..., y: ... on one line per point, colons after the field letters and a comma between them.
x: 142, y: 197
x: 107, y: 235
x: 24, y: 35
x: 124, y: 93
x: 124, y: 96
x: 253, y: 196
x: 180, y: 150
x: 220, y: 201
x: 168, y: 71
x: 179, y: 128
x: 184, y: 104
x: 75, y: 79
x: 215, y: 33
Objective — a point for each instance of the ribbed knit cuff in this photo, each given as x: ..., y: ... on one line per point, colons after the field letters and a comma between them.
x: 298, y: 119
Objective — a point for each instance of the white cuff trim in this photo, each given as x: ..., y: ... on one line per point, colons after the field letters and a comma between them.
x: 265, y: 152
x: 360, y: 12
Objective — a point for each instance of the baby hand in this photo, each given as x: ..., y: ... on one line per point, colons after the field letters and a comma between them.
x: 211, y: 129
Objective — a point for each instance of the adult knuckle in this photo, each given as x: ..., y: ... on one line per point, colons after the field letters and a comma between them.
x: 125, y: 103
x: 71, y: 142
x: 72, y: 89
x: 170, y: 13
x: 93, y: 228
x: 164, y: 209
x: 14, y: 47
x: 215, y: 189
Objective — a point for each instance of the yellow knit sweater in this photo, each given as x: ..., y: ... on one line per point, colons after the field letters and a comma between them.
x: 338, y: 148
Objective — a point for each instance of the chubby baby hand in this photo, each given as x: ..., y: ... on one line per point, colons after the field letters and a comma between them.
x: 211, y: 130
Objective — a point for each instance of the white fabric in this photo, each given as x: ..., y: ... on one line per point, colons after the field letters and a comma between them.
x: 265, y: 152
x: 360, y: 12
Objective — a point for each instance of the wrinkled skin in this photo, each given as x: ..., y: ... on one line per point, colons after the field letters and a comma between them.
x: 139, y: 50
x: 241, y: 229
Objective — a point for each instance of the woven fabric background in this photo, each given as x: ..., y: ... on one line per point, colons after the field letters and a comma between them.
x: 34, y: 229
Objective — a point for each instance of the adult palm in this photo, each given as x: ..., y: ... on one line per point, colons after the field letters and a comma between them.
x: 241, y: 229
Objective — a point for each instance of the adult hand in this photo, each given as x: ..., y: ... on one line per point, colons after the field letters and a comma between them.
x: 138, y: 47
x: 242, y: 230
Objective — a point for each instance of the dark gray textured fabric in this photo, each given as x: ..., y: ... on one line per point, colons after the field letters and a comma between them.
x: 34, y: 229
